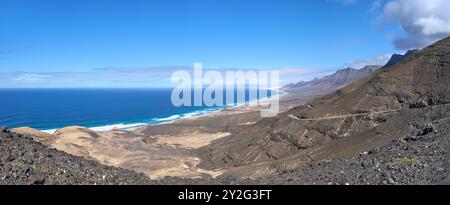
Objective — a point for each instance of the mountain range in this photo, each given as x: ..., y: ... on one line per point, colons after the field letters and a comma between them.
x: 340, y: 79
x: 330, y: 83
x: 408, y: 99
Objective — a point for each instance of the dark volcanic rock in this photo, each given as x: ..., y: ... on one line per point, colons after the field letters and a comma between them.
x: 4, y: 129
x: 423, y: 161
x: 24, y: 161
x: 396, y: 58
x: 400, y: 101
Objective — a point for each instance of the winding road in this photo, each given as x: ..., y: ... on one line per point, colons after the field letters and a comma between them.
x: 344, y: 116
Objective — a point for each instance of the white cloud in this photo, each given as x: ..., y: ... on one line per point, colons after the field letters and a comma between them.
x: 377, y: 60
x: 376, y: 5
x: 348, y: 2
x: 294, y: 75
x: 30, y: 77
x: 125, y: 77
x: 424, y: 21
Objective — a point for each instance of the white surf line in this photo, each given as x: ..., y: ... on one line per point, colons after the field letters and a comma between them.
x: 344, y: 116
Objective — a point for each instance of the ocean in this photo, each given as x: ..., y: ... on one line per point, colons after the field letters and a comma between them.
x: 98, y: 109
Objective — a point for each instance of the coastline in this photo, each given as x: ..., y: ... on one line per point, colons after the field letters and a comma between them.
x: 157, y: 150
x: 206, y: 112
x: 167, y: 148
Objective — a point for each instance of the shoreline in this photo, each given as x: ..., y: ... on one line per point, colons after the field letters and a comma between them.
x: 207, y: 112
x: 159, y: 150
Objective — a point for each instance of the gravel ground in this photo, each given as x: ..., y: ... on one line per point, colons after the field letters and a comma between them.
x: 24, y: 161
x: 421, y: 159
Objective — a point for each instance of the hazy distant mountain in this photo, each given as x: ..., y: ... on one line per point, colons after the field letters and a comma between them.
x: 340, y: 78
x: 410, y: 99
x: 327, y: 84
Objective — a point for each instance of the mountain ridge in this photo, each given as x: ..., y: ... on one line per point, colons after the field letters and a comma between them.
x: 330, y: 83
x: 395, y: 58
x: 418, y: 86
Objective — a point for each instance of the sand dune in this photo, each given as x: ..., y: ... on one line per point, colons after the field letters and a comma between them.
x: 156, y: 156
x: 30, y: 131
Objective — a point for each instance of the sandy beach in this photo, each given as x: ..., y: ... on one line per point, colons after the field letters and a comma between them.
x: 158, y: 150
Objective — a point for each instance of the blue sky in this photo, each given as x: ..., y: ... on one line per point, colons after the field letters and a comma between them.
x: 94, y: 43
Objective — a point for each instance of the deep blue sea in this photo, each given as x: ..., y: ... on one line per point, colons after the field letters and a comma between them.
x: 99, y: 109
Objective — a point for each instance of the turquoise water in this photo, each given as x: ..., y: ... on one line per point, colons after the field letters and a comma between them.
x: 99, y: 109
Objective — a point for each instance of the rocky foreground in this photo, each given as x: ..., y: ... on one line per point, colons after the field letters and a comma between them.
x: 415, y: 160
x: 24, y: 161
x: 420, y: 159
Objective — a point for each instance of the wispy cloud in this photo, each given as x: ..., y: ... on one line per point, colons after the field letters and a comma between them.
x: 94, y: 78
x: 377, y: 60
x: 376, y: 5
x: 30, y: 77
x: 347, y: 2
x: 125, y: 77
x: 294, y: 75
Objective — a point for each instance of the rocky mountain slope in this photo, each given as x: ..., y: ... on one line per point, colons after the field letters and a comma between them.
x: 340, y: 78
x: 328, y: 84
x: 396, y: 58
x: 417, y: 159
x: 24, y: 161
x: 404, y: 100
